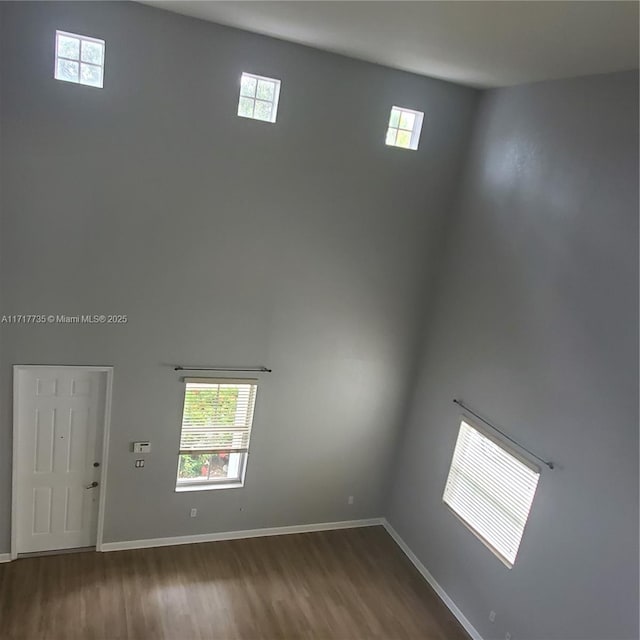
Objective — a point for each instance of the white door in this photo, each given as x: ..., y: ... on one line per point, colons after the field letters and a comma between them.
x: 59, y: 421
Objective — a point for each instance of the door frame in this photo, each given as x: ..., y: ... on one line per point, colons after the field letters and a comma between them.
x: 17, y: 368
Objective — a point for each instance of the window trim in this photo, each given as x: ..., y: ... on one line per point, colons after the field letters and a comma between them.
x: 274, y: 103
x: 79, y: 61
x: 192, y: 484
x: 416, y: 130
x: 207, y: 485
x: 466, y: 418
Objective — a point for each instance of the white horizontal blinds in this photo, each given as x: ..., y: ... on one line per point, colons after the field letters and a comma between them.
x: 217, y: 415
x: 491, y: 490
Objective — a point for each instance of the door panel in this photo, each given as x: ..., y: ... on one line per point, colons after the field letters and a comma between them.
x: 44, y: 440
x: 59, y: 426
x: 42, y: 498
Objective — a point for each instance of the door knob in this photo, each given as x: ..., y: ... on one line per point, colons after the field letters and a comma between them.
x: 93, y: 485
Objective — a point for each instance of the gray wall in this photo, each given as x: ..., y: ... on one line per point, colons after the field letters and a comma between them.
x: 301, y: 245
x: 535, y: 324
x: 309, y: 246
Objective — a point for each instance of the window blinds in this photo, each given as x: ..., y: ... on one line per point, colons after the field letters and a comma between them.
x: 217, y: 415
x: 491, y: 490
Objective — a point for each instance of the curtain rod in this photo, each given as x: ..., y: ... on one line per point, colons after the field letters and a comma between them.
x: 548, y: 463
x: 237, y: 369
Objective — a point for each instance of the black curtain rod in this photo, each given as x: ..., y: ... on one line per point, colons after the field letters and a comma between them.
x: 237, y: 369
x: 503, y: 434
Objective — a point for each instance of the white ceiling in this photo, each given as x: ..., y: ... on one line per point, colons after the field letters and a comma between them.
x: 478, y: 43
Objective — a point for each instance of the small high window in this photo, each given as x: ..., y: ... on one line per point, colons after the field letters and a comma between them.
x: 491, y: 490
x: 79, y: 59
x: 404, y: 129
x: 216, y: 427
x: 258, y: 97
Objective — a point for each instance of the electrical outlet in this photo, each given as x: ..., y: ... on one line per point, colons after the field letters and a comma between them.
x: 194, y: 513
x: 350, y: 500
x: 492, y: 616
x: 507, y: 636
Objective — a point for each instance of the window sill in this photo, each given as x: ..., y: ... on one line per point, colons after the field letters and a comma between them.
x: 208, y: 487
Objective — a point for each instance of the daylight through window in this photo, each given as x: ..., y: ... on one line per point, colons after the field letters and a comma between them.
x: 79, y: 59
x: 491, y: 489
x: 404, y: 129
x: 258, y: 97
x: 216, y: 427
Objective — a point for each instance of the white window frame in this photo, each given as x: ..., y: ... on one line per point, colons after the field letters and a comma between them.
x: 254, y: 98
x: 198, y: 484
x: 415, y: 131
x: 79, y: 60
x: 465, y: 419
x: 206, y: 484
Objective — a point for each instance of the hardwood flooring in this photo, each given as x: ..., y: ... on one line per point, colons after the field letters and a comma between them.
x: 337, y: 585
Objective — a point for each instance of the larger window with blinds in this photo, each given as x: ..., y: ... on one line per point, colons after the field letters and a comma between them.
x: 491, y: 490
x: 216, y: 429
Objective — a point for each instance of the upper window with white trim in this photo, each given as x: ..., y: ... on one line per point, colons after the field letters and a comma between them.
x: 491, y: 489
x: 79, y: 59
x: 258, y: 97
x: 217, y: 417
x: 404, y: 129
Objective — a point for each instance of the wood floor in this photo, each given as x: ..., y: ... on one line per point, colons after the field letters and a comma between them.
x: 338, y: 585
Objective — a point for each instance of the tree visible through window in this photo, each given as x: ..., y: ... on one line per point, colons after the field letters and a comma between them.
x: 216, y: 427
x: 404, y: 128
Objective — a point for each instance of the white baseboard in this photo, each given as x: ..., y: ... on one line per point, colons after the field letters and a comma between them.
x: 469, y: 628
x: 5, y: 557
x: 236, y: 535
